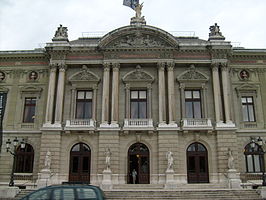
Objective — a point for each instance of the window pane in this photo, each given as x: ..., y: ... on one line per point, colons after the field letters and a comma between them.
x: 196, y: 94
x: 79, y: 110
x: 87, y: 110
x: 134, y: 110
x: 197, y: 110
x: 142, y: 110
x: 86, y: 193
x: 88, y: 94
x: 29, y: 110
x: 134, y: 94
x: 189, y: 110
x: 201, y: 147
x: 76, y: 148
x: 257, y: 163
x: 188, y: 95
x: 244, y: 100
x: 75, y: 164
x: 245, y: 113
x: 251, y: 113
x: 202, y: 164
x: 80, y: 95
x: 142, y: 94
x: 192, y: 147
x: 85, y: 167
x: 250, y: 100
x: 191, y: 164
x: 249, y: 163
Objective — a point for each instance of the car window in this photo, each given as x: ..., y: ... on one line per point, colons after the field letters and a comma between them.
x: 63, y: 193
x: 40, y: 195
x: 86, y: 193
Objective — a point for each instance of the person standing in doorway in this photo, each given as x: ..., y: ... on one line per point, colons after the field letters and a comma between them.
x: 134, y: 176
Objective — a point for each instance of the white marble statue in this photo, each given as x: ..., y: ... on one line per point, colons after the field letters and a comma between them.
x: 170, y: 160
x: 108, y: 158
x: 231, y: 163
x: 138, y: 9
x: 47, y: 161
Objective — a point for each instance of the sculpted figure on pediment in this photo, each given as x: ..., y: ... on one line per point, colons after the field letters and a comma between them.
x: 138, y: 75
x: 192, y: 74
x: 138, y: 41
x: 84, y: 75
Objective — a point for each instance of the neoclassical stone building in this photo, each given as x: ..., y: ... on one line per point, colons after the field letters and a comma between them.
x: 95, y: 108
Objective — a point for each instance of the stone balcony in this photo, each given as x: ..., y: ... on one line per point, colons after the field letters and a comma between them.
x: 80, y: 124
x: 138, y: 124
x: 197, y: 124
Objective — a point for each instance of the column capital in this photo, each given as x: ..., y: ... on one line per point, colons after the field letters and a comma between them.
x: 53, y: 67
x: 182, y: 86
x: 224, y: 66
x: 62, y: 67
x: 106, y: 66
x: 170, y: 66
x: 116, y: 66
x: 215, y: 66
x: 161, y: 66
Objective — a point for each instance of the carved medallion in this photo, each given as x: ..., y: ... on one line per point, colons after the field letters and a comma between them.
x: 33, y: 76
x: 244, y: 75
x: 2, y: 76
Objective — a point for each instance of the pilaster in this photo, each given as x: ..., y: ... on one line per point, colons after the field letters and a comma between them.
x: 115, y: 95
x: 162, y: 107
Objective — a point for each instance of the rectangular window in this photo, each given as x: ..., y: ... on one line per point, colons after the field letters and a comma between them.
x: 138, y: 104
x: 248, y: 109
x: 29, y: 110
x: 193, y: 104
x: 84, y: 104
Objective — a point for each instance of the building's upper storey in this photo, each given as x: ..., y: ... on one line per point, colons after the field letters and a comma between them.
x: 136, y: 77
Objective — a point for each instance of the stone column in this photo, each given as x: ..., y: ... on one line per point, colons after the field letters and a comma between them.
x: 216, y: 91
x: 225, y: 93
x: 94, y: 102
x: 60, y: 94
x: 162, y: 108
x: 182, y: 94
x: 73, y: 103
x: 115, y: 95
x: 204, y: 100
x: 149, y: 87
x: 171, y: 93
x: 105, y: 96
x: 51, y: 95
x: 127, y: 90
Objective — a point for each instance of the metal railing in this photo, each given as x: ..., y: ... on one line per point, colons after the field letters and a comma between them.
x: 138, y: 123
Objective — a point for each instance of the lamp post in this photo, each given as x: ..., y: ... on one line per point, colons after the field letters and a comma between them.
x: 14, y: 154
x: 259, y: 142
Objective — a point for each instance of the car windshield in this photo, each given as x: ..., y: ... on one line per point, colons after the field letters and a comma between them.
x: 86, y: 193
x: 40, y: 195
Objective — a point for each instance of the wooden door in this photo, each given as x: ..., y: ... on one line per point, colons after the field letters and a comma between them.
x: 197, y: 164
x: 80, y: 158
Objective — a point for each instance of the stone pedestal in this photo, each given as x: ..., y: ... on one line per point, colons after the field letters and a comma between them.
x: 233, y: 179
x: 44, y: 178
x: 170, y: 182
x: 263, y: 192
x: 8, y: 192
x: 107, y: 179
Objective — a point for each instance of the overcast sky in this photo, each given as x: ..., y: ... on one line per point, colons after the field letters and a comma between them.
x: 29, y: 24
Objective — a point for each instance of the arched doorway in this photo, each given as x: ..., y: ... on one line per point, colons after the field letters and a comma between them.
x: 24, y: 159
x: 80, y: 160
x: 197, y: 163
x: 139, y: 159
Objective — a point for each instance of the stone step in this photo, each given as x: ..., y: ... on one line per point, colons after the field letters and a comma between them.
x: 23, y: 193
x: 182, y: 195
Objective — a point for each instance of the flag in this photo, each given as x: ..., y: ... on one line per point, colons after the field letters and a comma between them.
x: 131, y: 3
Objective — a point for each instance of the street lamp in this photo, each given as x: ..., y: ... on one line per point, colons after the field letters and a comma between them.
x: 259, y: 142
x: 14, y: 154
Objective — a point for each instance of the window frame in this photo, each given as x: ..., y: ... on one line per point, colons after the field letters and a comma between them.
x: 138, y: 100
x: 253, y: 153
x: 193, y: 100
x: 84, y: 101
x: 247, y: 105
x: 30, y: 106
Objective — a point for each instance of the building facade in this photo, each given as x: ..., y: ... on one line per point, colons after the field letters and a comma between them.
x: 178, y: 110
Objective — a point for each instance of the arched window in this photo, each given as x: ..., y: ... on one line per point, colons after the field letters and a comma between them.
x: 254, y: 158
x: 24, y: 159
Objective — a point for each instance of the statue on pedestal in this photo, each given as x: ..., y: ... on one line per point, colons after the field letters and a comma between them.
x: 61, y: 34
x: 108, y: 158
x: 231, y: 163
x: 47, y: 161
x: 138, y: 9
x: 170, y: 160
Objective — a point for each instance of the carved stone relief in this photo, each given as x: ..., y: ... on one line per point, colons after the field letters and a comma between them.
x: 192, y: 74
x: 84, y: 75
x: 138, y: 75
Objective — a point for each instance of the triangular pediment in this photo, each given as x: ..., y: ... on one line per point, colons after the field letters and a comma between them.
x: 138, y: 75
x: 247, y: 89
x: 192, y: 75
x: 138, y: 37
x: 85, y: 75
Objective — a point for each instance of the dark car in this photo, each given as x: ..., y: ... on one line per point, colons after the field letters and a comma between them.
x: 67, y: 192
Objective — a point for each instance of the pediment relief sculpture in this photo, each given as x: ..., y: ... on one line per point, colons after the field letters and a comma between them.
x: 192, y: 75
x: 35, y: 91
x: 85, y: 75
x: 138, y: 75
x: 138, y: 40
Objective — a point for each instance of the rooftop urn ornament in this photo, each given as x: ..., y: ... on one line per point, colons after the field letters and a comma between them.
x: 215, y: 33
x: 61, y: 34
